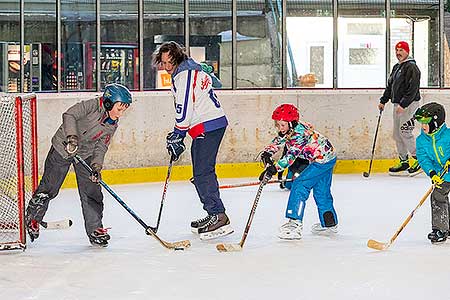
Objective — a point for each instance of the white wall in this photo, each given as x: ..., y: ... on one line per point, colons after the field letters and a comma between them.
x: 347, y: 117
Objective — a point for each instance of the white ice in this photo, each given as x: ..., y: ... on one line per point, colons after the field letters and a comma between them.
x: 61, y: 264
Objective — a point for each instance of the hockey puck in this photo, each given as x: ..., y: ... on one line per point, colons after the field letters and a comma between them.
x: 365, y: 174
x: 70, y: 222
x: 178, y: 248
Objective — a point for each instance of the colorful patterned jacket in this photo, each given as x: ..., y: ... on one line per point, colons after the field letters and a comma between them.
x: 303, y: 142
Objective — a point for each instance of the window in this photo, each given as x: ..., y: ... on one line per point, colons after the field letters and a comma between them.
x: 10, y: 49
x: 446, y: 46
x: 163, y: 22
x: 119, y: 52
x: 40, y: 47
x: 419, y: 26
x: 361, y: 54
x: 309, y: 51
x: 209, y: 39
x: 258, y: 44
x: 78, y: 35
x: 321, y: 50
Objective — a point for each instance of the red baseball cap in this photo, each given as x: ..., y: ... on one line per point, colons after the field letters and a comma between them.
x: 402, y: 45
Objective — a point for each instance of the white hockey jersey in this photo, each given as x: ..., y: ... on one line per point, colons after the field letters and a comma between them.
x: 196, y: 105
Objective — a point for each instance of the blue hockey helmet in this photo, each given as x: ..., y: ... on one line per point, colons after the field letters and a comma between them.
x: 116, y: 93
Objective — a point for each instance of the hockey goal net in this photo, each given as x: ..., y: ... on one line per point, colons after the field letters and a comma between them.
x: 18, y: 166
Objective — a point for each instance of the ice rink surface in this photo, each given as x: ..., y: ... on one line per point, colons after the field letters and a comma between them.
x: 61, y: 264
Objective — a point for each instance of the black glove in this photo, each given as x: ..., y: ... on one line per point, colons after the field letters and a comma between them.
x: 266, y: 158
x: 268, y: 172
x: 72, y: 145
x: 96, y: 175
x: 175, y: 145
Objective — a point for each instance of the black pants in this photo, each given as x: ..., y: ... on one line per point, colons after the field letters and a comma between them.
x: 204, y: 154
x: 55, y: 171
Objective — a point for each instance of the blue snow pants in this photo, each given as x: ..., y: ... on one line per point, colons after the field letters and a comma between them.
x: 204, y: 151
x: 316, y: 177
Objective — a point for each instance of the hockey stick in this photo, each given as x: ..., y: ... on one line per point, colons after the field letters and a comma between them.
x: 228, y: 186
x: 238, y: 247
x: 181, y: 245
x: 383, y: 246
x: 61, y: 224
x: 367, y: 174
x: 169, y: 171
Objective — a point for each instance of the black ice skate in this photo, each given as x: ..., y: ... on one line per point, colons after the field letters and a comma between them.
x: 438, y: 236
x: 99, y: 237
x: 218, y: 225
x: 400, y: 169
x: 197, y: 224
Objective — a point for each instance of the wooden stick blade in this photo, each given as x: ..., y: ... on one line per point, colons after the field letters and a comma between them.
x: 181, y: 245
x: 229, y: 247
x: 377, y: 245
x: 51, y: 225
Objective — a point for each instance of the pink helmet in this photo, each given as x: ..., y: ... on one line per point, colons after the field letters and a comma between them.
x: 286, y: 112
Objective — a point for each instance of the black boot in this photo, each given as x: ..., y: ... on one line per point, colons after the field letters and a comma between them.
x: 437, y: 236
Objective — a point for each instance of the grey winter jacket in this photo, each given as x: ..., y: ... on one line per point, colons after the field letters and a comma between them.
x: 86, y: 120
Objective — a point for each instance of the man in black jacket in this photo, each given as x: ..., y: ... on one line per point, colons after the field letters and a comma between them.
x: 403, y: 90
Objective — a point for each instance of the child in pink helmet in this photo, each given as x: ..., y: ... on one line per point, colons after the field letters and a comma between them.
x: 303, y: 141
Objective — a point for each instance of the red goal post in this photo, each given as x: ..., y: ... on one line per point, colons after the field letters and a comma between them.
x: 18, y: 166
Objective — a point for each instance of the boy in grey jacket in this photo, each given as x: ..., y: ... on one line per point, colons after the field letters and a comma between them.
x: 87, y: 129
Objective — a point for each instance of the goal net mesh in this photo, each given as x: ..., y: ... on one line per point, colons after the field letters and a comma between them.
x: 17, y: 165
